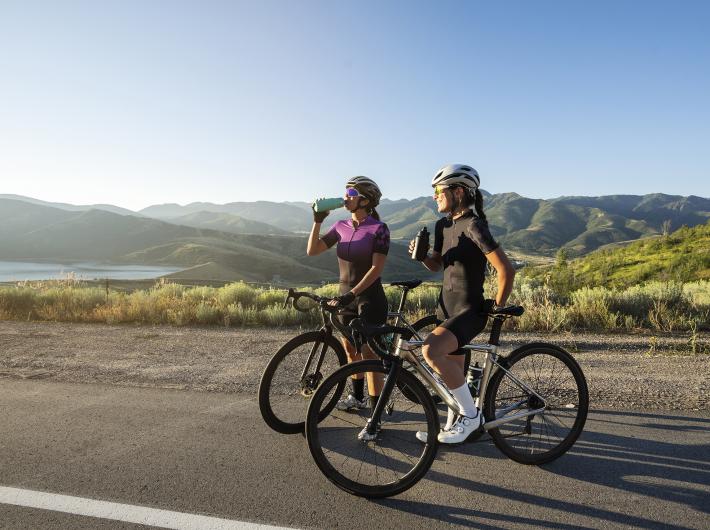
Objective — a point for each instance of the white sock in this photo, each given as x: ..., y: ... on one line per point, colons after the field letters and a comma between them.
x: 465, y: 400
x: 450, y: 418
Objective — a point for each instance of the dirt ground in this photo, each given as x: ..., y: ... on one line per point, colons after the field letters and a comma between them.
x: 623, y: 370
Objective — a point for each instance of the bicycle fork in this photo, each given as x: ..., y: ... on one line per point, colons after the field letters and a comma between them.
x: 373, y: 423
x: 306, y: 382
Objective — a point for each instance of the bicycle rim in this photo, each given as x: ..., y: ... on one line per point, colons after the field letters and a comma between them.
x: 391, y: 463
x: 561, y: 391
x: 283, y: 393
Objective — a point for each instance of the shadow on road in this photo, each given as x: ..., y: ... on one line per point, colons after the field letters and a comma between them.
x: 675, y: 472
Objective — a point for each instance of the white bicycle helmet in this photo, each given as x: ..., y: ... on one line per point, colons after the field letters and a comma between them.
x: 457, y: 175
x: 367, y: 187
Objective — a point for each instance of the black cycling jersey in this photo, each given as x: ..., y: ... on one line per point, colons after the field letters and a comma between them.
x: 463, y: 244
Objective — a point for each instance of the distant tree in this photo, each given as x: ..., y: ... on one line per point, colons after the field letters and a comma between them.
x: 666, y: 227
x: 561, y: 258
x: 562, y: 279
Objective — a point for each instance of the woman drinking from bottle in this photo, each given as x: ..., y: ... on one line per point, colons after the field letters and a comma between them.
x: 362, y: 246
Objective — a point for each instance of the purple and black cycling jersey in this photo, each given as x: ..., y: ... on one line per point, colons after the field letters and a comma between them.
x: 356, y: 247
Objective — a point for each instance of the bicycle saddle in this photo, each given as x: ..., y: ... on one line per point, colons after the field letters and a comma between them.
x: 511, y: 311
x: 409, y: 284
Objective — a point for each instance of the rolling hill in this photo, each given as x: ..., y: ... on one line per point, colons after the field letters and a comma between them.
x: 524, y: 226
x: 683, y: 255
x: 34, y: 232
x: 529, y: 226
x: 226, y: 222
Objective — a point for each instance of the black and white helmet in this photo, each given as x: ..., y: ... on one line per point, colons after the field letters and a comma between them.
x: 457, y: 175
x: 367, y: 187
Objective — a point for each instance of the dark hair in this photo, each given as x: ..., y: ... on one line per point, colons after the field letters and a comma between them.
x: 472, y: 198
x: 373, y: 213
x: 478, y: 203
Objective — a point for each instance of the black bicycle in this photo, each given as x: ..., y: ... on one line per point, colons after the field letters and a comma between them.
x: 534, y: 402
x: 299, y: 366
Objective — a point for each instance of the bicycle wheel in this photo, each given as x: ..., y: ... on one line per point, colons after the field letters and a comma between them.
x: 556, y: 378
x: 423, y: 327
x: 391, y: 463
x: 284, y: 390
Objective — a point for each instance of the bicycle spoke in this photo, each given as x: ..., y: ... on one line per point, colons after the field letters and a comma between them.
x: 553, y: 387
x: 384, y: 462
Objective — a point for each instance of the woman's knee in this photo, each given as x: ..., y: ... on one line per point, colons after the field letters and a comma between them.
x: 431, y: 351
x: 439, y: 343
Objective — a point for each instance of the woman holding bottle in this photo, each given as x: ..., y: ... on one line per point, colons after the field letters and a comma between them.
x: 362, y: 247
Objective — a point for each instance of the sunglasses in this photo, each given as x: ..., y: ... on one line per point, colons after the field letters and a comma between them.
x: 352, y: 193
x: 438, y: 190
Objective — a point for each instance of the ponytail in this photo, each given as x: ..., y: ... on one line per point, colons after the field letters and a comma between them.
x: 478, y: 202
x: 374, y: 214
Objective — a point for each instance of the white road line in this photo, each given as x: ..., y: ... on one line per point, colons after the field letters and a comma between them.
x: 122, y: 512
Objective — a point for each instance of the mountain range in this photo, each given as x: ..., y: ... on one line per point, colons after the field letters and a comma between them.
x: 36, y: 232
x: 257, y: 240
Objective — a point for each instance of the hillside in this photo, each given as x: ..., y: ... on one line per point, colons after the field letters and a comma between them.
x: 71, y: 207
x: 287, y: 217
x: 683, y: 255
x: 33, y: 232
x: 226, y: 222
x: 524, y: 225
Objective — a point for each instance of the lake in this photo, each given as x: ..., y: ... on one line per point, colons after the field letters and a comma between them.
x: 11, y: 271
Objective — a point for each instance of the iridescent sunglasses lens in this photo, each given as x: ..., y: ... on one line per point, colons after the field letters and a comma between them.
x: 351, y: 192
x: 439, y: 190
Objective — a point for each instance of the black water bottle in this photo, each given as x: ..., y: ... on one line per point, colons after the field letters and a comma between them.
x: 473, y: 378
x: 421, y: 245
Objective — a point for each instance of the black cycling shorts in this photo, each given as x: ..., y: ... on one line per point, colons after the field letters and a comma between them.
x: 371, y: 307
x: 464, y: 325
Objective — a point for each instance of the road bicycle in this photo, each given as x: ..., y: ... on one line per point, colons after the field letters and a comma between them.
x: 298, y: 367
x: 534, y: 402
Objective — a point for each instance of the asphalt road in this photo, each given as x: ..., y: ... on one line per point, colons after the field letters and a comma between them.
x: 211, y: 454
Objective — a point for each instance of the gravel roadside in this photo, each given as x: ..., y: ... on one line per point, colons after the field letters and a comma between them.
x: 623, y: 370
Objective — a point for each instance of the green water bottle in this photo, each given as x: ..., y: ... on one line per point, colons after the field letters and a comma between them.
x: 324, y: 205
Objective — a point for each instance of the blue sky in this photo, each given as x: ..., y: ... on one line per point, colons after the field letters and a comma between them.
x: 136, y: 103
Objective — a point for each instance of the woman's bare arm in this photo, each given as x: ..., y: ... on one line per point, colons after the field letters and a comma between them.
x: 505, y: 271
x: 315, y: 244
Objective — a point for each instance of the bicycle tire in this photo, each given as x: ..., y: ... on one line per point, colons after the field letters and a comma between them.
x: 332, y: 439
x: 280, y: 379
x: 553, y: 374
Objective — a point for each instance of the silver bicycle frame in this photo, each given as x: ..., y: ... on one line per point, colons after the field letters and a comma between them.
x: 489, y: 366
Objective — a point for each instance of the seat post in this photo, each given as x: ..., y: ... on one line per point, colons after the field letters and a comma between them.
x: 402, y: 300
x: 494, y: 339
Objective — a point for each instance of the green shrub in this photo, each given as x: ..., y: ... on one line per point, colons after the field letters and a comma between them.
x: 236, y: 293
x: 661, y: 306
x: 18, y: 302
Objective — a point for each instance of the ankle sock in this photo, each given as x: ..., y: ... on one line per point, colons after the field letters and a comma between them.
x: 465, y: 401
x: 358, y: 388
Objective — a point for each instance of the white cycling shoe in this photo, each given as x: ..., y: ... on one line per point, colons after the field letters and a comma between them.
x: 365, y: 436
x: 351, y: 403
x: 423, y: 437
x: 462, y: 428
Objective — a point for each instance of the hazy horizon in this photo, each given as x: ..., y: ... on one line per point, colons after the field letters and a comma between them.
x: 20, y: 197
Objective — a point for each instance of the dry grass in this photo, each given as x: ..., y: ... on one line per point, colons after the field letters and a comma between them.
x: 657, y: 306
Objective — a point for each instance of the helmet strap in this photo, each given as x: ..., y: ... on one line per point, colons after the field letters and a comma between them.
x: 359, y: 203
